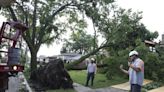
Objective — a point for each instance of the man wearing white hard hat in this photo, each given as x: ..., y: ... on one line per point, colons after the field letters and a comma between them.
x: 91, y: 71
x: 135, y: 72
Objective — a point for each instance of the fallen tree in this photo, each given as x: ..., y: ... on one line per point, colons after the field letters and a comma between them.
x: 72, y: 65
x: 53, y: 75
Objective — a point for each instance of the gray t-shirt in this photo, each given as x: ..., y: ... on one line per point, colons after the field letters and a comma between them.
x: 134, y: 76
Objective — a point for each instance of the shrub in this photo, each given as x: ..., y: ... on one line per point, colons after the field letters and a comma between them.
x: 152, y: 85
x: 153, y: 61
x: 102, y: 70
x: 114, y: 63
x: 27, y: 72
x: 152, y: 66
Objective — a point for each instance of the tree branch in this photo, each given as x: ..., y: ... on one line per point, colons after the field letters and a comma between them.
x: 13, y: 15
x: 22, y: 9
x: 34, y: 22
x: 27, y: 36
x: 55, y: 13
x: 50, y: 19
x: 44, y: 41
x: 70, y: 66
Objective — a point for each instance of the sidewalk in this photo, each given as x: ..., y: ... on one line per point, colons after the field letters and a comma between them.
x: 23, y: 82
x: 126, y: 86
x: 81, y: 88
x: 109, y: 89
x: 160, y: 89
x: 18, y: 84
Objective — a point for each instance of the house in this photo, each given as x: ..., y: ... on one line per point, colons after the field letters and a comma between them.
x: 69, y: 57
x: 162, y: 42
x: 151, y: 45
x: 44, y: 59
x: 66, y: 57
x: 41, y: 59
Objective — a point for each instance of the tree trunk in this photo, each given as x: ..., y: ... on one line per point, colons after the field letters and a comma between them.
x: 33, y: 60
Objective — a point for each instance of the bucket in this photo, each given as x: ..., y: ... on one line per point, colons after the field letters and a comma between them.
x: 13, y: 56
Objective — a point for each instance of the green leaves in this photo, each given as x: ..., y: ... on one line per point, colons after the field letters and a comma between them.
x: 80, y: 42
x: 152, y: 85
x: 108, y: 1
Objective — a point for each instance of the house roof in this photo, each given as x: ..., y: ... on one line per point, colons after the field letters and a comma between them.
x: 70, y: 56
x: 150, y: 42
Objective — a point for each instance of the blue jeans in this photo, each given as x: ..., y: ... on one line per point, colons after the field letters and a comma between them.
x: 90, y: 76
x: 135, y: 88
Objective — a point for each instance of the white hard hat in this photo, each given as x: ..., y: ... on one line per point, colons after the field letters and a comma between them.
x: 87, y: 59
x: 133, y: 53
x: 92, y: 59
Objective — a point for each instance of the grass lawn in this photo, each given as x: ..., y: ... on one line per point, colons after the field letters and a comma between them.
x: 100, y: 79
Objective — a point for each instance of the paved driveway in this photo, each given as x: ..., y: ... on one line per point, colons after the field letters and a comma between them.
x: 81, y: 88
x: 18, y: 83
x: 126, y: 86
x: 14, y: 84
x: 160, y: 89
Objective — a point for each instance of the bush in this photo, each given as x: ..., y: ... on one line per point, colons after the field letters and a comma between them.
x: 153, y: 61
x: 102, y: 70
x: 152, y: 66
x: 109, y: 75
x: 144, y: 90
x: 27, y: 72
x: 114, y: 63
x: 161, y: 71
x: 152, y: 85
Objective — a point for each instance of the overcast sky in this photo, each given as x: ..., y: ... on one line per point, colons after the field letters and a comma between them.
x: 153, y: 15
x: 153, y: 18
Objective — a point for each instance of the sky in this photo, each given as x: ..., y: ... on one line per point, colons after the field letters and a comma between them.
x: 153, y: 15
x: 153, y: 19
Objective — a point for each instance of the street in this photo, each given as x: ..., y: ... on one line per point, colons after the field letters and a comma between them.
x: 14, y: 84
x: 18, y: 84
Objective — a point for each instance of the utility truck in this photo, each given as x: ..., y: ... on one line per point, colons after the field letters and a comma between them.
x: 10, y: 33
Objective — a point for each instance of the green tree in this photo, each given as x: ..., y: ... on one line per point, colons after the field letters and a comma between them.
x: 44, y: 19
x: 122, y: 28
x: 80, y: 42
x: 123, y: 32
